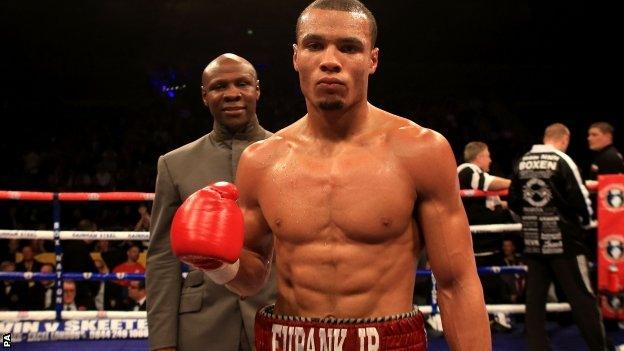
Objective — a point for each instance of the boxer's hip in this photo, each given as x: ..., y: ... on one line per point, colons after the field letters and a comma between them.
x: 287, y: 333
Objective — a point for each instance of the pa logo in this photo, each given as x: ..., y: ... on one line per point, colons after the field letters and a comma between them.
x: 613, y: 248
x: 613, y: 197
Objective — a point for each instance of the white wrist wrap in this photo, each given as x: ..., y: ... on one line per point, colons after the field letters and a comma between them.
x: 224, y: 274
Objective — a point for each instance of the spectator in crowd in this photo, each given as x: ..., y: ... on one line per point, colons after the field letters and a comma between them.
x: 109, y: 295
x: 38, y: 246
x: 77, y: 258
x: 111, y: 255
x: 12, y: 294
x: 28, y: 262
x: 144, y: 221
x: 131, y: 265
x: 69, y: 296
x: 13, y: 249
x: 607, y: 159
x: 102, y: 246
x: 511, y: 286
x: 514, y: 284
x: 8, y: 250
x: 70, y: 303
x: 42, y: 296
x: 136, y: 291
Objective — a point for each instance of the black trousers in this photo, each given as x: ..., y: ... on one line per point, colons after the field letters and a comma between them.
x: 571, y: 274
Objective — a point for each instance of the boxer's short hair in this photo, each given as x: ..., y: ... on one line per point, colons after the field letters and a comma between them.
x: 343, y: 5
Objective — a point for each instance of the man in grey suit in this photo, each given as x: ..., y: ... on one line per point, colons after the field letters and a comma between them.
x: 194, y: 313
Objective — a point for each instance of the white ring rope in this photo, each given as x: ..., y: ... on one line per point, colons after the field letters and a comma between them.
x: 512, y: 308
x: 73, y: 235
x: 509, y: 227
x: 495, y: 228
x: 51, y: 315
x: 132, y: 235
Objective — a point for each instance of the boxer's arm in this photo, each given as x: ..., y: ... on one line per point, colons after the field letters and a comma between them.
x: 164, y: 273
x: 444, y: 225
x: 257, y: 253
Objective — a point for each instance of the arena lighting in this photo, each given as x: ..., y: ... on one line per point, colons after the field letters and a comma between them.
x: 168, y: 82
x: 171, y: 90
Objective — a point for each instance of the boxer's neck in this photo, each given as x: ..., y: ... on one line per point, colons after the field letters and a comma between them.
x: 339, y: 124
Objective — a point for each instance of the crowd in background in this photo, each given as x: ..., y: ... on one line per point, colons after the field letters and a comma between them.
x: 114, y: 151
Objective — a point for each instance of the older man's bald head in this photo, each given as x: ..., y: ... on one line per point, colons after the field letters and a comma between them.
x: 224, y: 60
x: 230, y: 90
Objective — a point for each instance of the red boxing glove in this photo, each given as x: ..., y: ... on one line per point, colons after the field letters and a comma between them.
x: 207, y: 231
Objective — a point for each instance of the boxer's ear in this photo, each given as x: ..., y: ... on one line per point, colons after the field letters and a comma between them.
x: 374, y: 60
x: 295, y: 57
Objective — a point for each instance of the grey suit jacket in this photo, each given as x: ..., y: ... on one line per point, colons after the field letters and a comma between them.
x: 194, y: 313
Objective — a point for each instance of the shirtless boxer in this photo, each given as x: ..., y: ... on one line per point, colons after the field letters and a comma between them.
x: 333, y: 195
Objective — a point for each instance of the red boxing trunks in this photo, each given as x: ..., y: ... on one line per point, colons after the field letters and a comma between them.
x: 403, y: 332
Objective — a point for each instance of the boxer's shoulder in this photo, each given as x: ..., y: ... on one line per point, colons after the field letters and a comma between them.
x: 265, y: 152
x: 410, y: 139
x: 422, y: 151
x: 397, y: 128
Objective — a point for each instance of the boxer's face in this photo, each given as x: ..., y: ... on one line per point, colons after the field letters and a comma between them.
x: 334, y: 57
x: 230, y: 90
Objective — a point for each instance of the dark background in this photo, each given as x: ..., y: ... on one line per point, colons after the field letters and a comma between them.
x: 81, y: 89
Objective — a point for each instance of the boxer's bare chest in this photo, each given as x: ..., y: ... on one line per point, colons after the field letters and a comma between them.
x: 356, y: 192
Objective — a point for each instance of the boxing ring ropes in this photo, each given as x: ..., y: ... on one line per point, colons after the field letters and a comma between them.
x: 14, y: 317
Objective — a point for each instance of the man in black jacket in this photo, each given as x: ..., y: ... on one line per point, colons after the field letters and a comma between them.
x: 12, y: 293
x: 607, y: 159
x: 42, y: 295
x: 548, y: 193
x: 136, y: 291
